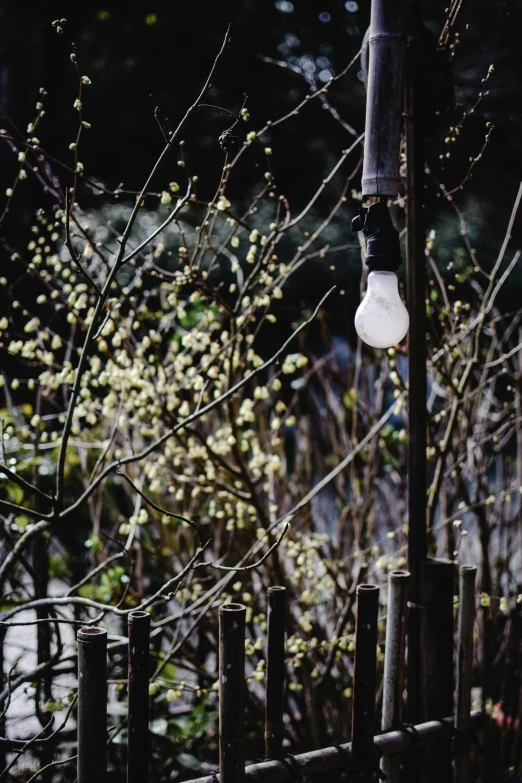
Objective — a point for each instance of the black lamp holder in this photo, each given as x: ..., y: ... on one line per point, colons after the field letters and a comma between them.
x: 382, y: 238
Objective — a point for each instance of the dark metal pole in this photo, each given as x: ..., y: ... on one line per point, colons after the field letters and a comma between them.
x: 232, y: 618
x: 416, y: 458
x: 363, y: 714
x: 92, y: 705
x: 437, y: 645
x: 275, y: 672
x: 138, y: 705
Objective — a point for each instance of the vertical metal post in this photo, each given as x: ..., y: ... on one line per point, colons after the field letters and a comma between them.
x: 232, y: 618
x: 416, y: 457
x: 138, y: 704
x: 275, y: 671
x: 437, y: 645
x: 394, y: 655
x: 92, y: 705
x: 464, y: 667
x: 363, y: 710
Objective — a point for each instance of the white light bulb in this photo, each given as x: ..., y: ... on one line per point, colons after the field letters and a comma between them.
x: 381, y: 319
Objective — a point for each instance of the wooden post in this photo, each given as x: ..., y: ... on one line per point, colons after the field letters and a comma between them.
x: 275, y: 672
x: 394, y: 652
x: 437, y: 645
x: 464, y: 668
x: 138, y: 703
x: 231, y: 693
x: 363, y: 714
x: 92, y: 705
x: 384, y: 102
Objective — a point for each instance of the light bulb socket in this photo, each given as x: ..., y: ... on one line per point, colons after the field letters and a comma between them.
x: 383, y: 250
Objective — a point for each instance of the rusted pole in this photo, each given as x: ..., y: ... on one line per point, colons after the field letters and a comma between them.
x: 232, y: 619
x: 275, y: 672
x: 138, y: 704
x: 363, y: 714
x: 384, y: 103
x: 92, y: 705
x: 398, y: 583
x: 464, y: 668
x: 437, y: 645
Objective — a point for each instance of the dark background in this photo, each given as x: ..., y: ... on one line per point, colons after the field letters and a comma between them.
x: 132, y: 50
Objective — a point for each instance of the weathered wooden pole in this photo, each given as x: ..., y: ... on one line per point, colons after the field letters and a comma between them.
x: 363, y: 704
x: 275, y: 672
x: 437, y: 647
x: 394, y: 655
x: 138, y: 702
x: 464, y: 669
x: 92, y: 705
x: 231, y: 693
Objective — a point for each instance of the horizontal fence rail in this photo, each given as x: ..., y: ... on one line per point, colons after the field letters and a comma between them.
x: 336, y: 758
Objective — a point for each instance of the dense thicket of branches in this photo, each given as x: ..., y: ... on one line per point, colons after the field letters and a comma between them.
x: 180, y: 427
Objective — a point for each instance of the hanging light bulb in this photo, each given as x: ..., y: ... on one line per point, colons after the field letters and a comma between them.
x: 381, y: 319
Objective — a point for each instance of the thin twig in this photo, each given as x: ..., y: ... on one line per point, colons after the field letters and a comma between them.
x: 250, y: 567
x: 153, y: 505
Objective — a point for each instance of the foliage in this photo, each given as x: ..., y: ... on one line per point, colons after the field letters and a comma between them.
x: 170, y: 443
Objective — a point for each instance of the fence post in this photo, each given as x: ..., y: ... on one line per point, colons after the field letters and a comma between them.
x: 275, y: 671
x: 464, y: 668
x: 138, y: 624
x: 232, y: 619
x: 392, y: 702
x: 92, y: 705
x: 3, y: 632
x: 363, y: 709
x: 437, y: 636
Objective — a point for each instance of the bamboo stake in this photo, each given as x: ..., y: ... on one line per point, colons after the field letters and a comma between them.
x: 92, y: 705
x: 231, y: 693
x: 138, y: 704
x: 398, y: 584
x: 437, y: 592
x: 464, y: 667
x: 363, y: 715
x: 275, y: 672
x: 384, y: 102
